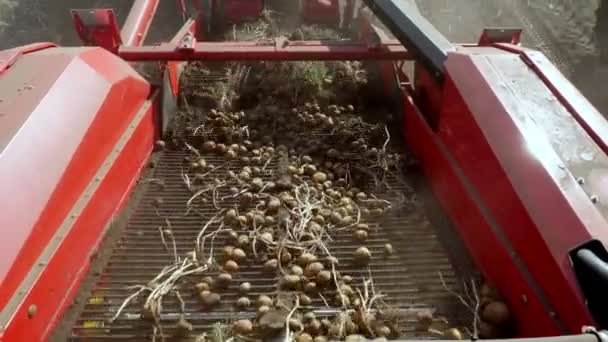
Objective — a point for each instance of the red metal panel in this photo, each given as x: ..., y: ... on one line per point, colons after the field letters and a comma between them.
x: 581, y: 109
x: 97, y: 27
x: 246, y: 51
x: 55, y: 142
x: 454, y: 191
x: 58, y: 283
x: 138, y: 22
x: 540, y: 208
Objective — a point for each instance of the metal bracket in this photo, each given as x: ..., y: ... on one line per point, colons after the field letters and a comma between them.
x: 491, y: 36
x: 187, y: 43
x: 97, y: 27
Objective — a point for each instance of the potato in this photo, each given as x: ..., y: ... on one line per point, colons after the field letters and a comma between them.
x: 239, y: 254
x: 297, y: 270
x: 262, y: 310
x: 304, y: 337
x: 264, y: 300
x: 496, y: 312
x: 202, y: 286
x: 243, y: 240
x: 388, y: 249
x: 305, y: 300
x: 310, y: 287
x: 313, y: 269
x: 231, y: 266
x: 245, y: 287
x: 323, y: 277
x: 243, y: 302
x: 335, y: 217
x: 270, y: 266
x: 319, y: 177
x: 306, y: 258
x: 223, y: 280
x: 360, y: 235
x: 291, y: 281
x: 362, y: 256
x: 243, y: 326
x: 453, y: 334
x: 209, y: 298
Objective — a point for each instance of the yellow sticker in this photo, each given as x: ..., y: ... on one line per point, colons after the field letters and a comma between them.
x: 96, y: 300
x: 92, y: 324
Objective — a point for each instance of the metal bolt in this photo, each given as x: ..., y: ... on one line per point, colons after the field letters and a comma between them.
x: 580, y: 180
x: 594, y: 199
x: 31, y: 311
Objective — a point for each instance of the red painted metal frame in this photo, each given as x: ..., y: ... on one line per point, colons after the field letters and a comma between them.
x: 138, y: 22
x: 97, y: 27
x: 452, y: 189
x: 280, y: 50
x: 518, y: 218
x: 56, y: 190
x: 59, y: 282
x: 594, y: 123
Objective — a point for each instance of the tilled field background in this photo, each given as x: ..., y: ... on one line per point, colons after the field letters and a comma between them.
x: 563, y: 29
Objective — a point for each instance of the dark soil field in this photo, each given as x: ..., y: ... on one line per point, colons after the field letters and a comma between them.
x: 565, y: 30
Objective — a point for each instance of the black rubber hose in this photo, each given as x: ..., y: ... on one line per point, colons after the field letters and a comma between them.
x: 594, y: 263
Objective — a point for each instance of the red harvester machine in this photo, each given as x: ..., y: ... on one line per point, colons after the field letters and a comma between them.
x: 515, y: 155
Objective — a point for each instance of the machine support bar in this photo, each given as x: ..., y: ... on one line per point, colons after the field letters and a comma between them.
x: 138, y: 22
x: 285, y: 50
x: 403, y: 19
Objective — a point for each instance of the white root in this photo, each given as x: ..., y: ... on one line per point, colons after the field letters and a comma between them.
x: 472, y: 302
x: 288, y: 336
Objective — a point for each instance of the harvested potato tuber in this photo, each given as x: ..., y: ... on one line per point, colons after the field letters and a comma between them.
x: 245, y: 287
x: 496, y: 312
x: 306, y: 258
x: 209, y: 298
x: 202, y: 286
x: 297, y: 270
x: 313, y: 269
x: 223, y: 280
x: 305, y: 300
x: 291, y: 281
x: 243, y: 326
x: 231, y: 266
x: 388, y: 249
x: 264, y: 300
x: 243, y: 302
x: 238, y: 254
x: 360, y: 235
x: 304, y: 337
x: 319, y: 177
x: 262, y: 310
x: 270, y: 266
x: 323, y: 277
x: 453, y: 334
x: 362, y: 256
